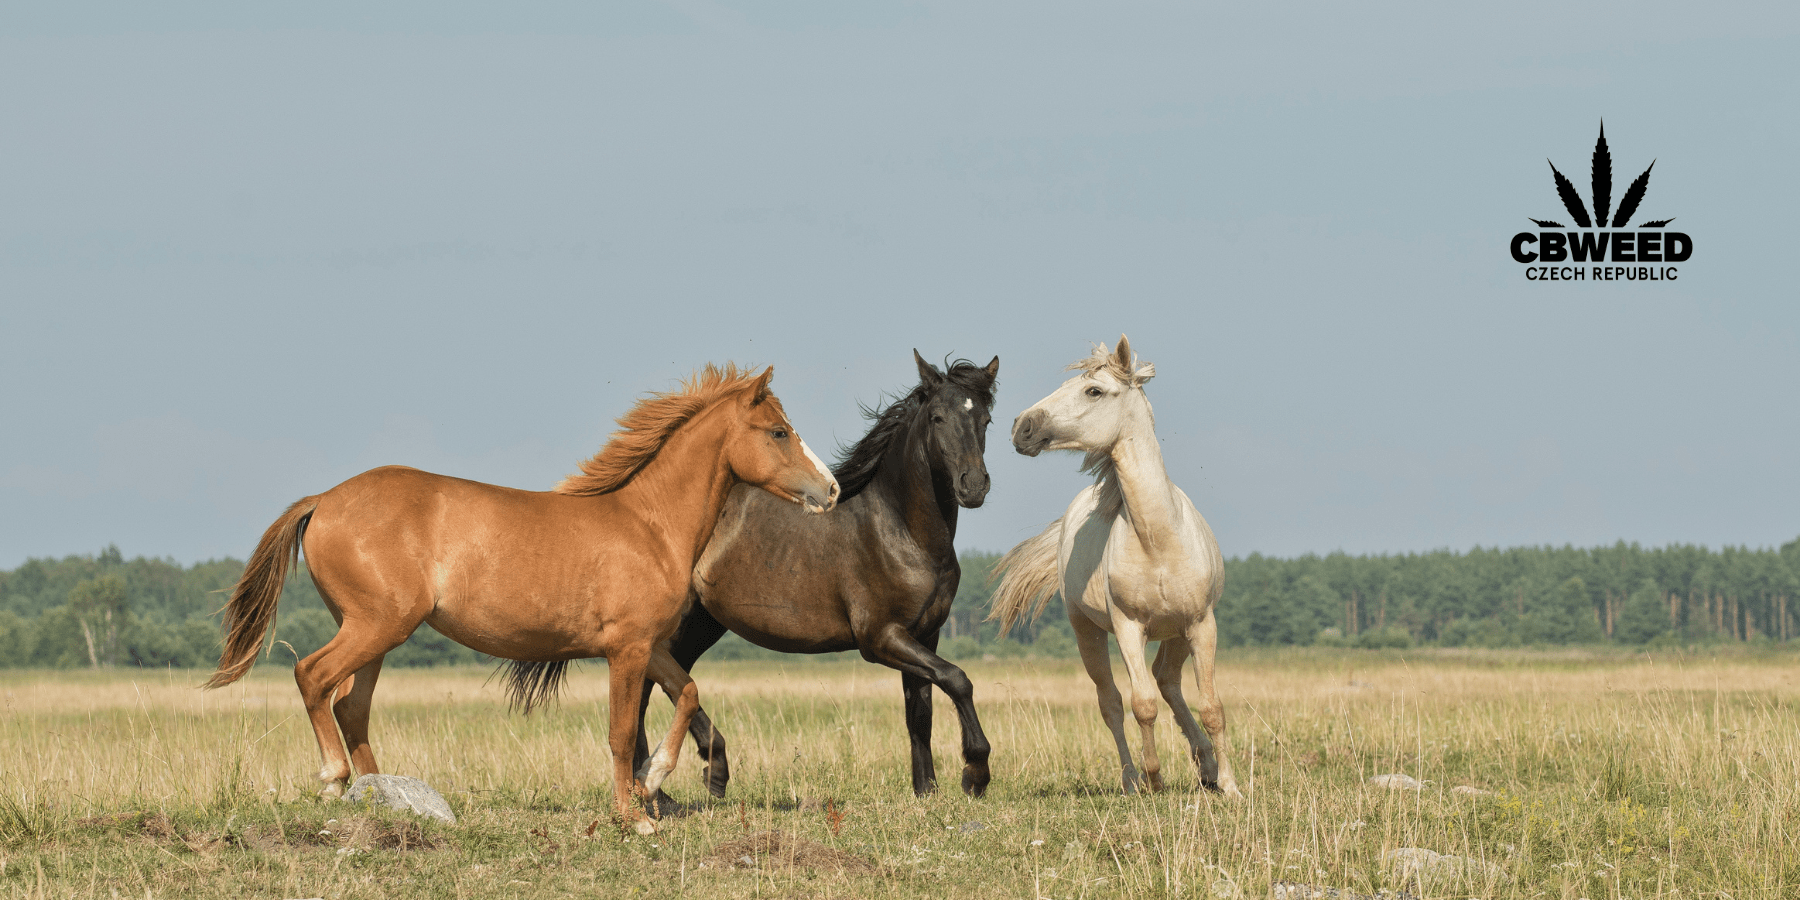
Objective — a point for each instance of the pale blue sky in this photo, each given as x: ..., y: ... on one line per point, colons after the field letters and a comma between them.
x: 247, y: 251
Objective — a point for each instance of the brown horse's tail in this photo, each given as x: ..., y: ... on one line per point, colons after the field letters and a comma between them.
x: 1028, y: 578
x: 251, y: 609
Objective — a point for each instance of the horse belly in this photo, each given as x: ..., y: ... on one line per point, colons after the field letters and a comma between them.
x: 518, y: 631
x: 785, y: 627
x: 777, y: 603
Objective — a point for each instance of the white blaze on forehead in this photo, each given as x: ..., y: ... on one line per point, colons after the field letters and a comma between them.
x: 818, y: 463
x: 968, y: 405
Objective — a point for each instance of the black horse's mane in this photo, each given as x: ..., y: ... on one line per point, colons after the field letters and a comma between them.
x: 857, y: 463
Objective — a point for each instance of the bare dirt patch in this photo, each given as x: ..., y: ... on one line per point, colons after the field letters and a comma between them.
x: 775, y: 849
x: 377, y: 834
x: 155, y: 826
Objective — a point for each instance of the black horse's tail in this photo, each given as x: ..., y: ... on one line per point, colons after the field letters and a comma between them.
x: 531, y: 684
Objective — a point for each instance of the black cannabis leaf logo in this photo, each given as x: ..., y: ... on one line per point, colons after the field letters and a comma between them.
x: 1602, y: 188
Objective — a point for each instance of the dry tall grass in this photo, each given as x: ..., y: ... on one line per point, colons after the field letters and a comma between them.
x: 1613, y: 777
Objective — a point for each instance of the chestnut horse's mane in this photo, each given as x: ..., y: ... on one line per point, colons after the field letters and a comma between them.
x: 647, y: 426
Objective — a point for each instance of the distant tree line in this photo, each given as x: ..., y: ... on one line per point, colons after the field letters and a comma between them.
x: 1624, y: 594
x: 106, y: 611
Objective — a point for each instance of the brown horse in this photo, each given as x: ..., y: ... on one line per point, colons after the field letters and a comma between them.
x: 599, y: 567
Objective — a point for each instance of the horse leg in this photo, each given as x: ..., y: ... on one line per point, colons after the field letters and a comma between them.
x: 915, y: 692
x: 1203, y: 636
x: 625, y: 669
x: 1130, y: 633
x: 680, y: 687
x: 352, y: 713
x: 1091, y: 639
x: 357, y: 644
x: 698, y: 633
x: 896, y: 648
x: 1169, y: 659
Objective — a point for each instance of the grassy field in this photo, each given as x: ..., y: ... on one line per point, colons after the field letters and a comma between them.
x: 1612, y: 776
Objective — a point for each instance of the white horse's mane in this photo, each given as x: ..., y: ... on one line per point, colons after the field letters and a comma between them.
x: 1104, y: 360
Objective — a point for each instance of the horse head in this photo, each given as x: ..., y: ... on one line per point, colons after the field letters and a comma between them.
x: 1090, y: 411
x: 764, y: 450
x: 954, y: 417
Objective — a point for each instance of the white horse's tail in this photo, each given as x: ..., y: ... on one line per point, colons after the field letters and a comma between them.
x: 1028, y: 578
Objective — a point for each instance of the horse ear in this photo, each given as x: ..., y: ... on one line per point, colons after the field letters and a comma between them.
x: 928, y: 373
x: 992, y: 369
x: 761, y: 391
x: 1139, y: 375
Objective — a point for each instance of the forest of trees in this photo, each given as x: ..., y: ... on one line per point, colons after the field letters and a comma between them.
x: 106, y: 611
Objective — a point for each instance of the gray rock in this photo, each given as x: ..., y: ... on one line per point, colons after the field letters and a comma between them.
x: 1397, y: 782
x: 401, y: 792
x: 1468, y: 790
x: 1429, y: 865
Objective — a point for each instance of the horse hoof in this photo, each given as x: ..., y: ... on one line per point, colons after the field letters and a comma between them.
x: 975, y: 782
x: 333, y: 791
x: 644, y: 827
x: 717, y: 776
x: 662, y: 805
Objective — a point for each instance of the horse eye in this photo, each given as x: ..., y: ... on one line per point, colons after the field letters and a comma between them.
x: 779, y: 434
x: 1094, y: 392
x: 937, y: 419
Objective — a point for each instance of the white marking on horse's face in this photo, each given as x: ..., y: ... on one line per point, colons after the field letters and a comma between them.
x: 831, y: 484
x: 968, y: 405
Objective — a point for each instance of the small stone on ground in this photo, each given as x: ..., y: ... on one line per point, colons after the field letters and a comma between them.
x: 1467, y: 790
x: 1397, y: 782
x: 401, y: 792
x: 1430, y: 865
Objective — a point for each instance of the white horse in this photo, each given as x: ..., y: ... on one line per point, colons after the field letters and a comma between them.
x: 1131, y: 556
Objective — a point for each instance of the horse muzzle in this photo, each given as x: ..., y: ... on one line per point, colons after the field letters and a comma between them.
x: 1029, y: 436
x: 972, y: 489
x: 817, y: 502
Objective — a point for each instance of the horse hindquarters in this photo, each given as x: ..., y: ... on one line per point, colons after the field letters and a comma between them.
x: 355, y: 651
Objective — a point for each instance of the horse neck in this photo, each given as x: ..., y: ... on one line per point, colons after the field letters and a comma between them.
x: 1135, y: 464
x: 920, y: 492
x: 683, y: 489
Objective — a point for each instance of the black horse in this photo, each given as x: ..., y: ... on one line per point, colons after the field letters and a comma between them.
x: 877, y: 575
